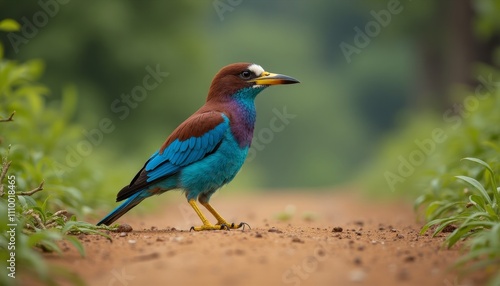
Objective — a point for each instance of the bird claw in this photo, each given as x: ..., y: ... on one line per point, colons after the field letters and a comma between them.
x: 220, y: 226
x: 228, y: 226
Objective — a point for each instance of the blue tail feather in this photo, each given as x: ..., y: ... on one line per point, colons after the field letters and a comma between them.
x: 124, y: 208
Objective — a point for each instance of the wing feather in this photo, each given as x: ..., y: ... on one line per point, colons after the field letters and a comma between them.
x: 197, y: 137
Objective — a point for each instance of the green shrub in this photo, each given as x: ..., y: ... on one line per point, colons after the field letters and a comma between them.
x: 40, y: 195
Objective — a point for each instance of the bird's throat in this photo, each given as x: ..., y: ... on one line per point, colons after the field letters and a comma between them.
x: 243, y: 116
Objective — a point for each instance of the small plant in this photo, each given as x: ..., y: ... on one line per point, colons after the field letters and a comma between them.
x: 476, y: 213
x: 39, y: 205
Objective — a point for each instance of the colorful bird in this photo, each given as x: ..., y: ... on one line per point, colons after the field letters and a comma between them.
x: 207, y: 150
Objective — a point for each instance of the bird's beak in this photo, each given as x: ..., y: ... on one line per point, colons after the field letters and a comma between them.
x: 267, y: 78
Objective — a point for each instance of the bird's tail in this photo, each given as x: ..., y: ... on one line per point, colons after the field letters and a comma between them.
x: 123, y: 208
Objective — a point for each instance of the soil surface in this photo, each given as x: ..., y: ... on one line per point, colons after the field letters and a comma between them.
x: 295, y: 239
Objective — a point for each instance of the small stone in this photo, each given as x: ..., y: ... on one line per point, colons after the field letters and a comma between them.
x: 400, y: 236
x: 153, y: 228
x: 409, y: 258
x: 132, y: 241
x: 449, y: 228
x: 296, y: 239
x: 273, y: 229
x: 160, y: 239
x: 358, y: 233
x: 258, y: 235
x: 357, y: 260
x: 124, y: 228
x: 393, y: 230
x: 359, y: 222
x: 123, y: 234
x: 337, y: 229
x: 321, y: 252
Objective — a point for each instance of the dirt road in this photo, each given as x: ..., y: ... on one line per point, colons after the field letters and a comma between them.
x: 295, y: 239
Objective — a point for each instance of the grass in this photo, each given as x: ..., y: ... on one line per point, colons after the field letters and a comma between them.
x: 40, y: 199
x: 475, y: 214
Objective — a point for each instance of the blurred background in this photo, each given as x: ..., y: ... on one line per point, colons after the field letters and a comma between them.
x: 368, y: 70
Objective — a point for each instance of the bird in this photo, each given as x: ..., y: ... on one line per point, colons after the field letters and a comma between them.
x: 207, y: 150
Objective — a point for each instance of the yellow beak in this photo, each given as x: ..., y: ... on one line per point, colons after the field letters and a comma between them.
x: 267, y: 78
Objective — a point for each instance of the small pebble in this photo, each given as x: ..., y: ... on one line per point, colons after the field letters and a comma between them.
x: 132, y: 241
x: 357, y: 261
x: 124, y: 228
x: 410, y: 258
x: 123, y: 234
x: 359, y: 222
x: 273, y: 229
x: 337, y: 229
x: 296, y: 239
x: 449, y: 228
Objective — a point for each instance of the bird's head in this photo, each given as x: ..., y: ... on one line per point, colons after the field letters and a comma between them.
x: 244, y: 79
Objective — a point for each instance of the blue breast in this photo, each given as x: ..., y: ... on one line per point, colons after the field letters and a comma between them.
x: 215, y: 170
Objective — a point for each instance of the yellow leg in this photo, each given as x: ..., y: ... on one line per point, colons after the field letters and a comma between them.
x: 206, y: 224
x: 222, y: 222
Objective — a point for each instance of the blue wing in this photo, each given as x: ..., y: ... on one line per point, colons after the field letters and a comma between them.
x: 181, y: 153
x: 197, y: 137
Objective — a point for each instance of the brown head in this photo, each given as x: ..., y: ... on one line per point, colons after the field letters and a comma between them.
x: 234, y: 77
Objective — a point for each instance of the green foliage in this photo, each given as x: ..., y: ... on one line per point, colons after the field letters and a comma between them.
x: 35, y: 133
x: 476, y: 215
x: 453, y: 194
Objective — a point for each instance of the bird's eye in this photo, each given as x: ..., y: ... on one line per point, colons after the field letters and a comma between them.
x: 246, y: 74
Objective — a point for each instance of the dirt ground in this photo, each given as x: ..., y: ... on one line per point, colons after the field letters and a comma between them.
x: 329, y: 239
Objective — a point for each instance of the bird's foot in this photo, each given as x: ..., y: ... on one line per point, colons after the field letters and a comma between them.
x: 220, y: 226
x: 208, y: 227
x: 229, y: 226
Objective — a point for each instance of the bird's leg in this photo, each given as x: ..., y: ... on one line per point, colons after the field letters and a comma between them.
x: 221, y: 221
x: 206, y: 224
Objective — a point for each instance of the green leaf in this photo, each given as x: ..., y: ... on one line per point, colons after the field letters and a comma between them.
x: 492, y: 175
x: 491, y: 212
x: 9, y: 25
x: 481, y: 162
x: 478, y: 202
x: 476, y: 185
x: 78, y: 245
